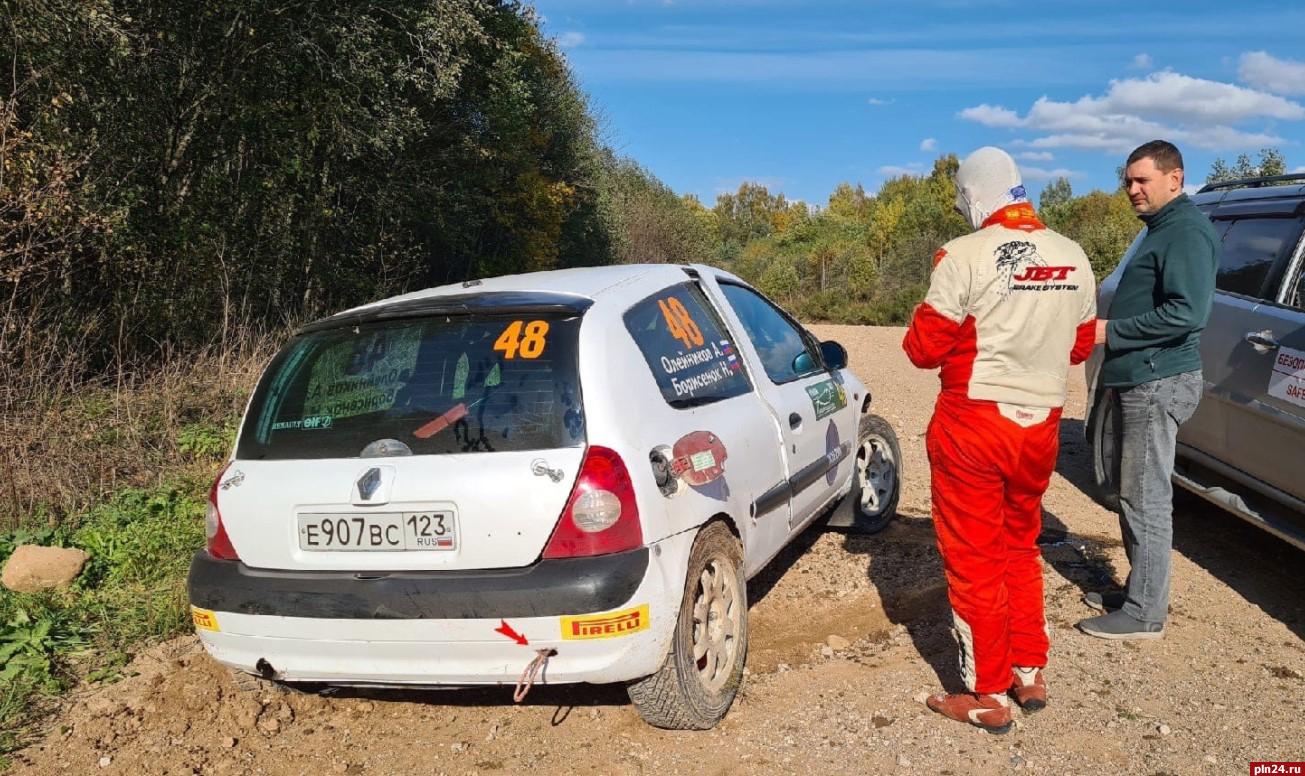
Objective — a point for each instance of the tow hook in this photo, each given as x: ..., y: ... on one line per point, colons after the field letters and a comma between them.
x: 537, y: 664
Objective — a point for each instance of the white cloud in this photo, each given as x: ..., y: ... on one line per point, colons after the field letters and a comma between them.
x: 1041, y: 174
x: 570, y: 39
x: 1142, y: 62
x: 1281, y: 76
x: 1035, y: 156
x: 877, y: 102
x: 893, y: 170
x: 1170, y: 105
x: 1298, y: 169
x: 991, y: 116
x: 1176, y: 97
x: 929, y: 144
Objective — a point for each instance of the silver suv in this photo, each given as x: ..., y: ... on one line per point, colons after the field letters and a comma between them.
x: 1244, y: 449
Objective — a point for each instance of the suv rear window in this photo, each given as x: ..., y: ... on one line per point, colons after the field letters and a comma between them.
x: 420, y: 386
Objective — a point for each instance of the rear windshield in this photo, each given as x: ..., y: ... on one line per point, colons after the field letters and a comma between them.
x: 421, y: 386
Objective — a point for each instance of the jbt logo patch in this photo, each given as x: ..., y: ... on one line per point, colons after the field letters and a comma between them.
x: 1038, y: 274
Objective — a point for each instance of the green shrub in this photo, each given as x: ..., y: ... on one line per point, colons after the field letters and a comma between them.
x: 131, y: 591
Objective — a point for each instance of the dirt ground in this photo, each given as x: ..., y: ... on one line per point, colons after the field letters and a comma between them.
x: 848, y: 636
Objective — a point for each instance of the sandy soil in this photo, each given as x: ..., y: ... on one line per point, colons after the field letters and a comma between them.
x: 849, y: 634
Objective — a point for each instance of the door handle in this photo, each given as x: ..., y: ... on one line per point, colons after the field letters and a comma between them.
x: 794, y: 420
x: 1262, y: 341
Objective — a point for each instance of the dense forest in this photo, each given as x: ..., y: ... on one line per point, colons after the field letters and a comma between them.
x: 176, y: 174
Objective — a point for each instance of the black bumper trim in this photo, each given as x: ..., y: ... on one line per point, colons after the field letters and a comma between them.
x: 547, y: 589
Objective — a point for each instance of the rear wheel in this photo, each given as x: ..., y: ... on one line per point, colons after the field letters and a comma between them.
x: 1107, y: 428
x: 877, y: 475
x: 700, y: 677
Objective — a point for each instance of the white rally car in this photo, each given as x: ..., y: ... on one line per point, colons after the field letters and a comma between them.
x: 566, y: 474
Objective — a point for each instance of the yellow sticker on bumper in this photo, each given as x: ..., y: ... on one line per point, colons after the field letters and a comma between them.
x: 203, y: 619
x: 606, y: 626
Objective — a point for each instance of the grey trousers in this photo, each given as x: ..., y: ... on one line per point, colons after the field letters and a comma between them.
x: 1151, y: 414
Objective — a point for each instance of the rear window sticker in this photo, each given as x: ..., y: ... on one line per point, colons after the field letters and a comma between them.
x: 1287, y: 380
x: 526, y: 340
x: 316, y: 421
x: 363, y: 375
x: 827, y: 397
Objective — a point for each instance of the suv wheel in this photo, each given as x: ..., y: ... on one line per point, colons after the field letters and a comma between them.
x: 1106, y: 432
x: 877, y: 475
x: 700, y: 677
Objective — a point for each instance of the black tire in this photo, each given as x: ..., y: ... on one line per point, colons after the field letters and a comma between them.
x: 1106, y: 432
x: 876, y: 475
x: 697, y: 683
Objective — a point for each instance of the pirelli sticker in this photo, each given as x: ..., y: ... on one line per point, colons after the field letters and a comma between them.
x: 605, y: 626
x: 203, y: 619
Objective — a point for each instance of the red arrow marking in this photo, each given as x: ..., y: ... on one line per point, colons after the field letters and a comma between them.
x: 506, y: 630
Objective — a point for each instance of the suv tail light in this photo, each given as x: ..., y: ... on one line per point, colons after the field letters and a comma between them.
x: 601, y: 517
x: 215, y: 534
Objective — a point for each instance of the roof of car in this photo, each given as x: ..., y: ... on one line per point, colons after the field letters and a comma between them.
x: 565, y: 290
x: 1243, y: 189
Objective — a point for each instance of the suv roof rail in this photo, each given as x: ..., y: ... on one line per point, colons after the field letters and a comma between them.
x: 1253, y: 183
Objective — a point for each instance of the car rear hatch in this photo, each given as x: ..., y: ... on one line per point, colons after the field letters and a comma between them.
x: 434, y: 436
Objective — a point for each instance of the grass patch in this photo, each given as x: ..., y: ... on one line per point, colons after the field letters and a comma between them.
x: 132, y: 591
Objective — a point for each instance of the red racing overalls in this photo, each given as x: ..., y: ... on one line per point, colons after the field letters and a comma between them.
x: 1010, y: 307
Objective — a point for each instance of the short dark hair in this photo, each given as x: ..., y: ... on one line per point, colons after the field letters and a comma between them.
x: 1165, y: 155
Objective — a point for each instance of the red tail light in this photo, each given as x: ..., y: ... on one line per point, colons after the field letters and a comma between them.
x: 215, y: 534
x: 601, y: 516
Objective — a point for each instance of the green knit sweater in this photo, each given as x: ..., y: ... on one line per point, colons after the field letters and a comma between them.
x: 1163, y: 299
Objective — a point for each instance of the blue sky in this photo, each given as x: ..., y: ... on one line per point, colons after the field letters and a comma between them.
x: 800, y: 96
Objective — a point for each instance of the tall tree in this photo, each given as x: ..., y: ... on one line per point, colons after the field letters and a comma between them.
x: 267, y: 161
x: 1055, y: 203
x: 1271, y: 163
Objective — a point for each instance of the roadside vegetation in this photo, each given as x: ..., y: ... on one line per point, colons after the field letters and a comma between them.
x: 183, y: 182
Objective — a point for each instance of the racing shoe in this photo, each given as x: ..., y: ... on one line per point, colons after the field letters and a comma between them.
x: 1028, y: 688
x: 989, y: 712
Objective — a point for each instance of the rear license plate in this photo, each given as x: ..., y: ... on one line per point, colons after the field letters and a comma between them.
x: 384, y: 531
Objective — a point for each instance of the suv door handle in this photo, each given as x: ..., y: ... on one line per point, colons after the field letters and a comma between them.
x: 794, y: 420
x: 1262, y: 341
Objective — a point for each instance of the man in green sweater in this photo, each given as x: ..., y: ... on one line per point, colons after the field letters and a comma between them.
x: 1152, y: 335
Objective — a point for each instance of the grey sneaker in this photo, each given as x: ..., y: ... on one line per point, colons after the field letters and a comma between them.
x: 1119, y: 626
x: 1105, y: 602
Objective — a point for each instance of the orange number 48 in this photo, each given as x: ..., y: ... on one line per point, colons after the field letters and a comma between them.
x: 525, y: 339
x: 679, y: 323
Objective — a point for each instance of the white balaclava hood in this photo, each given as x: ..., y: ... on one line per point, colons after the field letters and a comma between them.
x: 987, y: 181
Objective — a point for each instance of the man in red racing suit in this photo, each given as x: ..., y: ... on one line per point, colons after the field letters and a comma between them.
x: 1010, y: 307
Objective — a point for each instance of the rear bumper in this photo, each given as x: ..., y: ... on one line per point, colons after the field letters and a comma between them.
x: 602, y: 640
x: 550, y: 587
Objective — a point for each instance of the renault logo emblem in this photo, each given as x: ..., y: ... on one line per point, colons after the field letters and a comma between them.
x: 368, y: 483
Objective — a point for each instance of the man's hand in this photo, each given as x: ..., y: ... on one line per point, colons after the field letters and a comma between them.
x: 1101, y: 332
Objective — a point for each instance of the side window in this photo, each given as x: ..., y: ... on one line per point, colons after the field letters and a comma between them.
x: 686, y: 347
x: 1251, y: 248
x: 777, y: 340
